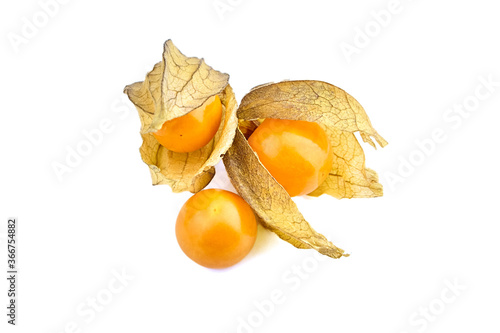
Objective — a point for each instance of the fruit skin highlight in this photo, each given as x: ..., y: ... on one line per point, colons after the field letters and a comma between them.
x: 192, y: 131
x: 296, y: 153
x: 216, y: 228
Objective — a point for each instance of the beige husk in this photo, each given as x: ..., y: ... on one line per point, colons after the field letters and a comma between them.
x: 176, y: 86
x: 341, y: 116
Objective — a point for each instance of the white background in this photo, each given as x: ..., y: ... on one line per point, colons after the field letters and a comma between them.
x: 436, y: 225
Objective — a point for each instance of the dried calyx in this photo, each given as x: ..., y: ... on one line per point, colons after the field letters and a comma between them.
x: 341, y: 116
x: 176, y: 86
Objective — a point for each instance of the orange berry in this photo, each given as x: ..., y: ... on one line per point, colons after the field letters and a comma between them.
x: 193, y: 130
x: 296, y: 153
x: 216, y: 228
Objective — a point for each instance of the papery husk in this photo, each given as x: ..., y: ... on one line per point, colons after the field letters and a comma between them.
x: 341, y: 116
x: 176, y: 86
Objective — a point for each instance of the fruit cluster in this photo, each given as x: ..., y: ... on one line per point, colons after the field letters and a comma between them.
x: 285, y: 139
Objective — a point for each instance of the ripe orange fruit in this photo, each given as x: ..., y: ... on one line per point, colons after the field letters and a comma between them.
x: 193, y: 130
x: 296, y: 153
x: 216, y: 228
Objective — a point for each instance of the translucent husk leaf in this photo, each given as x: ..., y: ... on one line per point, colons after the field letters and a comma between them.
x: 270, y: 201
x: 341, y: 116
x: 176, y: 86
